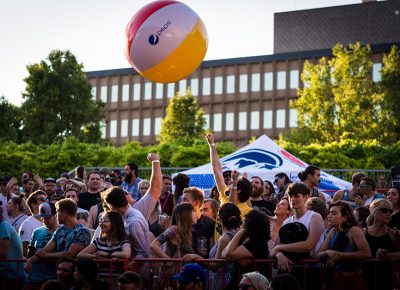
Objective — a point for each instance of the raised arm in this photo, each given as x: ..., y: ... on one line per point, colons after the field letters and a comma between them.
x: 156, y: 177
x: 233, y: 190
x: 216, y: 164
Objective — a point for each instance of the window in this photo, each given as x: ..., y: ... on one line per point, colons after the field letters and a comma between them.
x: 136, y: 92
x: 194, y: 87
x: 124, y: 128
x: 280, y: 118
x: 159, y: 91
x: 207, y: 121
x: 103, y: 129
x: 292, y: 118
x: 217, y: 122
x: 182, y: 87
x: 147, y: 91
x: 157, y: 125
x: 268, y: 81
x: 281, y: 85
x: 94, y: 91
x: 146, y: 126
x: 229, y: 121
x: 171, y: 90
x: 294, y: 79
x: 218, y: 85
x: 242, y: 121
x: 243, y: 84
x: 114, y: 93
x: 113, y: 128
x: 135, y: 127
x: 206, y: 86
x: 268, y: 119
x: 103, y: 94
x: 255, y: 120
x: 230, y: 84
x: 255, y: 82
x: 125, y: 92
x: 376, y: 72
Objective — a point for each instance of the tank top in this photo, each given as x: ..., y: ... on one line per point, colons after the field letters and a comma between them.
x: 305, y: 219
x: 346, y: 197
x: 384, y: 242
x: 345, y: 266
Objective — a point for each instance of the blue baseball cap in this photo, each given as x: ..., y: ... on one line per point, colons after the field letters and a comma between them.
x: 191, y: 272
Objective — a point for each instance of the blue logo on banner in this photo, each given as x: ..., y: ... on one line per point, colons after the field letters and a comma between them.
x: 257, y: 158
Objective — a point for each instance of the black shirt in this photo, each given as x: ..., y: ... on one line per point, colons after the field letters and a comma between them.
x: 204, y: 228
x: 87, y: 200
x: 269, y: 205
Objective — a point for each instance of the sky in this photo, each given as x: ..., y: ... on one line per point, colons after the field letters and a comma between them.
x: 93, y: 30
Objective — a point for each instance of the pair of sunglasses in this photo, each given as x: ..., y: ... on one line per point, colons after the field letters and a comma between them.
x: 386, y: 210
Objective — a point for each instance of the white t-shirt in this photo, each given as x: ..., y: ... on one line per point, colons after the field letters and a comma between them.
x: 27, y: 228
x: 17, y: 221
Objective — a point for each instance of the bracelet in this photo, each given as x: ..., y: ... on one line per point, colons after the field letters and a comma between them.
x: 155, y: 161
x: 234, y: 187
x: 212, y: 145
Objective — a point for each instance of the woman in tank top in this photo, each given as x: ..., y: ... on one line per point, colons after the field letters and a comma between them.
x: 343, y: 249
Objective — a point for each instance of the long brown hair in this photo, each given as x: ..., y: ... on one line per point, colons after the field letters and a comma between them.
x: 117, y: 230
x: 182, y: 216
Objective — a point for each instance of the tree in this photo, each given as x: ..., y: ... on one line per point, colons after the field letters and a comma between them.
x: 391, y: 89
x: 10, y: 121
x: 340, y: 99
x: 184, y: 121
x: 58, y: 101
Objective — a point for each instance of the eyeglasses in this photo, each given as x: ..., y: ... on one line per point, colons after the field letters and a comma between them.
x: 103, y: 220
x: 43, y: 199
x: 276, y: 180
x: 4, y: 183
x: 386, y: 210
x: 244, y: 286
x: 364, y: 185
x: 144, y: 188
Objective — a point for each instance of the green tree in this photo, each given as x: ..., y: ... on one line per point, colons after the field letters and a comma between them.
x: 58, y: 101
x: 184, y: 121
x: 391, y: 89
x: 340, y: 99
x: 10, y: 121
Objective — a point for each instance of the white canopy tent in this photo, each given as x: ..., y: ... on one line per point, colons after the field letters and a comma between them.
x: 263, y: 158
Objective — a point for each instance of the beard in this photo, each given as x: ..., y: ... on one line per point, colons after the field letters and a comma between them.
x: 257, y: 192
x: 128, y: 178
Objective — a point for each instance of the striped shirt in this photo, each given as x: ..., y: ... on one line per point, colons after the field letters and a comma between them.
x: 101, y: 245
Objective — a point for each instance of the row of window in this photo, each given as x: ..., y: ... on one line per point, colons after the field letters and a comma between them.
x: 228, y: 119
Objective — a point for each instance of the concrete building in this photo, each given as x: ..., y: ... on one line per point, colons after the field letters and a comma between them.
x: 248, y: 96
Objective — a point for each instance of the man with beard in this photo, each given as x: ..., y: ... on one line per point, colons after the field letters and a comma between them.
x: 131, y: 180
x: 311, y: 178
x: 50, y: 187
x: 256, y: 196
x: 92, y: 196
x: 167, y: 197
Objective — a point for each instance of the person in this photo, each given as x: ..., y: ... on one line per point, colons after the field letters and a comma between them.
x: 317, y: 205
x: 16, y: 212
x: 343, y: 249
x: 6, y: 193
x: 70, y: 238
x: 166, y: 197
x: 361, y: 214
x: 298, y: 195
x: 311, y: 177
x: 11, y: 274
x: 86, y: 276
x: 64, y: 177
x: 112, y: 242
x: 144, y: 185
x: 131, y: 180
x: 92, y: 196
x: 382, y: 183
x: 50, y: 187
x: 65, y: 272
x: 394, y: 197
x: 209, y: 208
x: 367, y: 192
x: 256, y: 199
x: 250, y: 242
x: 349, y: 196
x: 214, y: 194
x: 192, y: 277
x: 284, y: 282
x: 269, y: 191
x: 383, y: 243
x: 253, y: 280
x: 181, y: 181
x: 282, y: 212
x: 74, y: 195
x: 129, y: 281
x: 39, y: 272
x: 282, y: 181
x: 53, y: 285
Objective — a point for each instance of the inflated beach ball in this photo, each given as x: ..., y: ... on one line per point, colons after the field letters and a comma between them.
x: 165, y: 41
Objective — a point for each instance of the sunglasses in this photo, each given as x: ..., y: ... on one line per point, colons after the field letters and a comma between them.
x: 244, y: 286
x: 364, y: 185
x: 103, y: 220
x: 386, y: 210
x: 4, y: 183
x: 43, y: 199
x: 276, y: 180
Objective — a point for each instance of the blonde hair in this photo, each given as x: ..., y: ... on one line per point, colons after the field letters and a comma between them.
x: 258, y: 280
x: 376, y: 205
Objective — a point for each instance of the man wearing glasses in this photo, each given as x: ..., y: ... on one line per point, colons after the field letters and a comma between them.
x: 281, y: 181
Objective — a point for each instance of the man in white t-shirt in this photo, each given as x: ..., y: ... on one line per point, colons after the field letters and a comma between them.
x: 30, y: 224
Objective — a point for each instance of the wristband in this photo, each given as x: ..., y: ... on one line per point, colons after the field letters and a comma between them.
x: 212, y: 145
x: 234, y: 187
x: 155, y: 161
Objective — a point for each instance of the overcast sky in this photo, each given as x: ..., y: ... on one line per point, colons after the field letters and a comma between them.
x: 93, y: 30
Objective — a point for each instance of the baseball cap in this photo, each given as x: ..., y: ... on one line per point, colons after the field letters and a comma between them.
x: 50, y: 179
x: 191, y: 273
x: 46, y: 209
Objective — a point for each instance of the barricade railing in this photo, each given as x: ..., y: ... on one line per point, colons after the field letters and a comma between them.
x: 151, y: 280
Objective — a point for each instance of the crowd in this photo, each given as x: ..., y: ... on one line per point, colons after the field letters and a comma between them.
x: 61, y: 231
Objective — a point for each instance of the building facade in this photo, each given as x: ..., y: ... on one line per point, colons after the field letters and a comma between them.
x: 241, y: 97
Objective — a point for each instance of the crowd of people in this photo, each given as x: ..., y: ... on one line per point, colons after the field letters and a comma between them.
x: 56, y: 234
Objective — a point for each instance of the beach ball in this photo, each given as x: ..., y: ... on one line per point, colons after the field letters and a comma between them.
x: 165, y: 41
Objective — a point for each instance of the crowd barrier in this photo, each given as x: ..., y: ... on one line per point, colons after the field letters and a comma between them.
x: 312, y: 272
